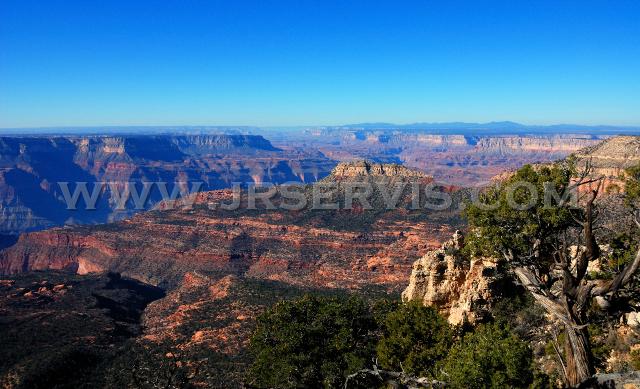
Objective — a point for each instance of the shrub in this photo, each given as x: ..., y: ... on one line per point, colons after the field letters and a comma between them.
x: 490, y: 357
x: 311, y: 342
x: 415, y: 339
x: 635, y: 359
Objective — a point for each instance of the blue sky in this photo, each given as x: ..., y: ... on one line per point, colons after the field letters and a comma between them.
x: 270, y: 63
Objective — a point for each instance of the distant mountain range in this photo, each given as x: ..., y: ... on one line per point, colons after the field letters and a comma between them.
x: 490, y: 128
x: 500, y: 127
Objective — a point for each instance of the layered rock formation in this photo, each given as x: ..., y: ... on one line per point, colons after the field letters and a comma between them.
x: 463, y: 290
x: 105, y: 331
x: 31, y: 169
x: 365, y: 168
x: 618, y: 152
x: 346, y: 248
x: 456, y: 158
x: 611, y: 158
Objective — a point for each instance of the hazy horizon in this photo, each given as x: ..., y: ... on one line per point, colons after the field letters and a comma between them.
x: 503, y: 125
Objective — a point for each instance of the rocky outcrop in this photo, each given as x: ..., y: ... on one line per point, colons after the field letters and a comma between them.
x: 31, y: 167
x: 619, y: 152
x: 556, y: 144
x: 348, y: 170
x: 607, y: 159
x: 462, y: 290
x: 610, y: 159
x: 458, y: 157
x: 212, y: 144
x: 629, y: 380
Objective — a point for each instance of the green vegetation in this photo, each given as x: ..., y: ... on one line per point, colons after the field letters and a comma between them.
x: 415, y: 338
x: 531, y: 221
x: 318, y: 341
x: 489, y: 357
x: 632, y: 184
x: 311, y: 341
x: 623, y: 250
x: 502, y: 227
x: 635, y: 359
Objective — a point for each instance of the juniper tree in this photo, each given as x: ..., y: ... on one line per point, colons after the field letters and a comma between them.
x: 546, y: 236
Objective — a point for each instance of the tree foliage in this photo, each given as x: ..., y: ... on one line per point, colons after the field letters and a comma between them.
x: 311, y: 342
x: 415, y: 339
x: 320, y: 341
x: 632, y: 184
x: 490, y: 357
x: 509, y: 217
x: 541, y: 221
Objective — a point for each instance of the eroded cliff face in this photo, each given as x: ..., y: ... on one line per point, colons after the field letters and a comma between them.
x: 606, y: 160
x: 610, y: 159
x: 455, y: 159
x: 54, y: 249
x: 463, y: 290
x: 617, y: 152
x: 159, y: 250
x: 341, y: 248
x: 357, y: 169
x: 32, y: 167
x: 555, y: 145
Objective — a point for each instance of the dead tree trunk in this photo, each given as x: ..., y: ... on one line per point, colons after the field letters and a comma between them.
x: 578, y: 364
x: 577, y: 350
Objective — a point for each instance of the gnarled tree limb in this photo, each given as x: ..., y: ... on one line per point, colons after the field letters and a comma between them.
x: 621, y: 279
x: 395, y: 378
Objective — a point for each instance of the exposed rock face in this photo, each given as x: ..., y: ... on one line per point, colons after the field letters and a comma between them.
x: 164, y: 318
x: 205, y: 324
x: 556, y: 144
x: 607, y: 159
x: 458, y: 159
x: 365, y: 168
x: 619, y: 152
x: 341, y: 248
x: 629, y: 380
x: 32, y: 167
x: 462, y: 290
x: 610, y: 159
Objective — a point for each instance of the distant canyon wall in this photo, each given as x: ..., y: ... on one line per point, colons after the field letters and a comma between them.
x: 463, y: 160
x: 32, y: 167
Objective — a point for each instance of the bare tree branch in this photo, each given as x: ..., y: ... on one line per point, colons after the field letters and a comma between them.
x: 621, y: 279
x: 394, y: 377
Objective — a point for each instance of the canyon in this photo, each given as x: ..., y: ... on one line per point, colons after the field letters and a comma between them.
x: 202, y: 274
x: 463, y: 158
x: 219, y: 269
x: 337, y: 248
x: 32, y: 167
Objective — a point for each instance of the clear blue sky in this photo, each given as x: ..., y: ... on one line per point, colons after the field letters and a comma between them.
x: 76, y: 63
